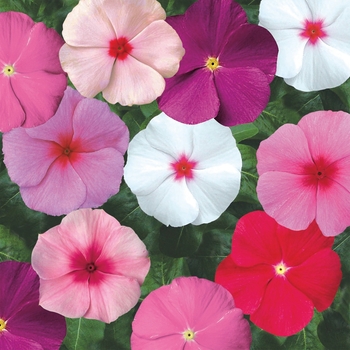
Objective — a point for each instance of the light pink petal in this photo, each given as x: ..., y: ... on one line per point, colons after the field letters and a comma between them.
x: 27, y: 159
x: 111, y: 296
x: 171, y: 203
x: 326, y: 132
x: 11, y: 111
x: 87, y: 25
x: 284, y: 310
x: 290, y: 199
x: 333, y: 208
x: 323, y: 67
x: 41, y: 51
x: 39, y: 93
x: 318, y: 278
x: 232, y: 331
x: 101, y: 173
x: 214, y: 189
x: 67, y: 295
x: 124, y: 254
x: 96, y: 127
x: 60, y: 192
x: 133, y: 82
x: 89, y: 68
x: 169, y: 342
x: 131, y: 17
x: 15, y: 29
x: 159, y: 47
x: 59, y: 128
x: 291, y: 155
x: 147, y: 167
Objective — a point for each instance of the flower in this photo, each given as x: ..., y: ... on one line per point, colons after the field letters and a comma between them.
x: 227, y: 67
x: 277, y: 275
x: 190, y: 313
x: 32, y: 81
x: 23, y: 323
x: 74, y: 160
x: 123, y: 48
x: 304, y: 173
x: 90, y: 266
x: 182, y: 173
x: 313, y: 39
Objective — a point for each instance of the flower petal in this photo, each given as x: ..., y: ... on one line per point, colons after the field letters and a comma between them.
x: 89, y: 68
x: 284, y: 310
x: 159, y: 47
x: 190, y: 98
x: 60, y: 192
x: 169, y: 342
x: 133, y: 82
x: 11, y: 341
x: 318, y: 278
x: 243, y: 92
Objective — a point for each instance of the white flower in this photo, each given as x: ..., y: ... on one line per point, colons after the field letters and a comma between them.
x: 183, y: 173
x: 313, y: 38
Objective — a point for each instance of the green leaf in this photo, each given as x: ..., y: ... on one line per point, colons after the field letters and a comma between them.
x: 342, y: 247
x: 244, y: 131
x: 343, y: 92
x: 12, y: 247
x: 84, y: 334
x: 263, y: 340
x: 303, y: 102
x: 150, y: 110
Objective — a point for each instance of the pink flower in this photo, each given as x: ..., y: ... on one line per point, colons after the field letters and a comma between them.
x: 90, y: 266
x: 123, y: 48
x: 23, y: 323
x: 278, y: 276
x: 190, y: 313
x: 32, y: 81
x: 304, y: 173
x: 75, y: 160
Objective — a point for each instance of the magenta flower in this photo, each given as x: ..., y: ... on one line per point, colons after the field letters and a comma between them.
x: 190, y: 313
x: 32, y: 81
x: 23, y: 323
x: 74, y: 160
x: 304, y: 173
x: 227, y: 67
x: 123, y: 48
x: 90, y: 266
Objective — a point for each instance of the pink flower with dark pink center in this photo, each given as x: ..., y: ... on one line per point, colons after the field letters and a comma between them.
x: 123, y: 48
x: 74, y: 160
x: 32, y: 81
x: 183, y: 173
x: 313, y: 37
x: 90, y: 266
x: 190, y: 313
x: 304, y: 173
x: 278, y: 276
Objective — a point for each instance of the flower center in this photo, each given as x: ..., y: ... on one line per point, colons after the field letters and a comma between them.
x: 8, y: 70
x: 280, y: 268
x: 67, y: 151
x: 91, y: 267
x: 188, y: 335
x: 183, y: 167
x: 212, y: 63
x: 2, y: 324
x: 119, y: 48
x: 313, y: 31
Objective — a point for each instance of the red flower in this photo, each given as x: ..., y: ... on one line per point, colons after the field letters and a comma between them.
x: 278, y: 275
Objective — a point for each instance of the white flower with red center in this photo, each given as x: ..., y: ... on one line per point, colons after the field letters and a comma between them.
x: 313, y: 38
x: 183, y: 173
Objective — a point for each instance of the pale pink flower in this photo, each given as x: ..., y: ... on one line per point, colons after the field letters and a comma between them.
x: 304, y: 173
x: 90, y: 266
x: 32, y: 81
x: 74, y: 160
x: 190, y: 313
x: 123, y: 48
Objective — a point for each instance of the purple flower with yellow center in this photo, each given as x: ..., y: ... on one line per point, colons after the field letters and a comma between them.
x: 226, y: 70
x: 23, y: 323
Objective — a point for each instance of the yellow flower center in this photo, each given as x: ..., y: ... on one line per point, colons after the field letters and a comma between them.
x: 2, y: 324
x: 188, y: 335
x: 8, y: 70
x: 281, y: 268
x: 212, y: 63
